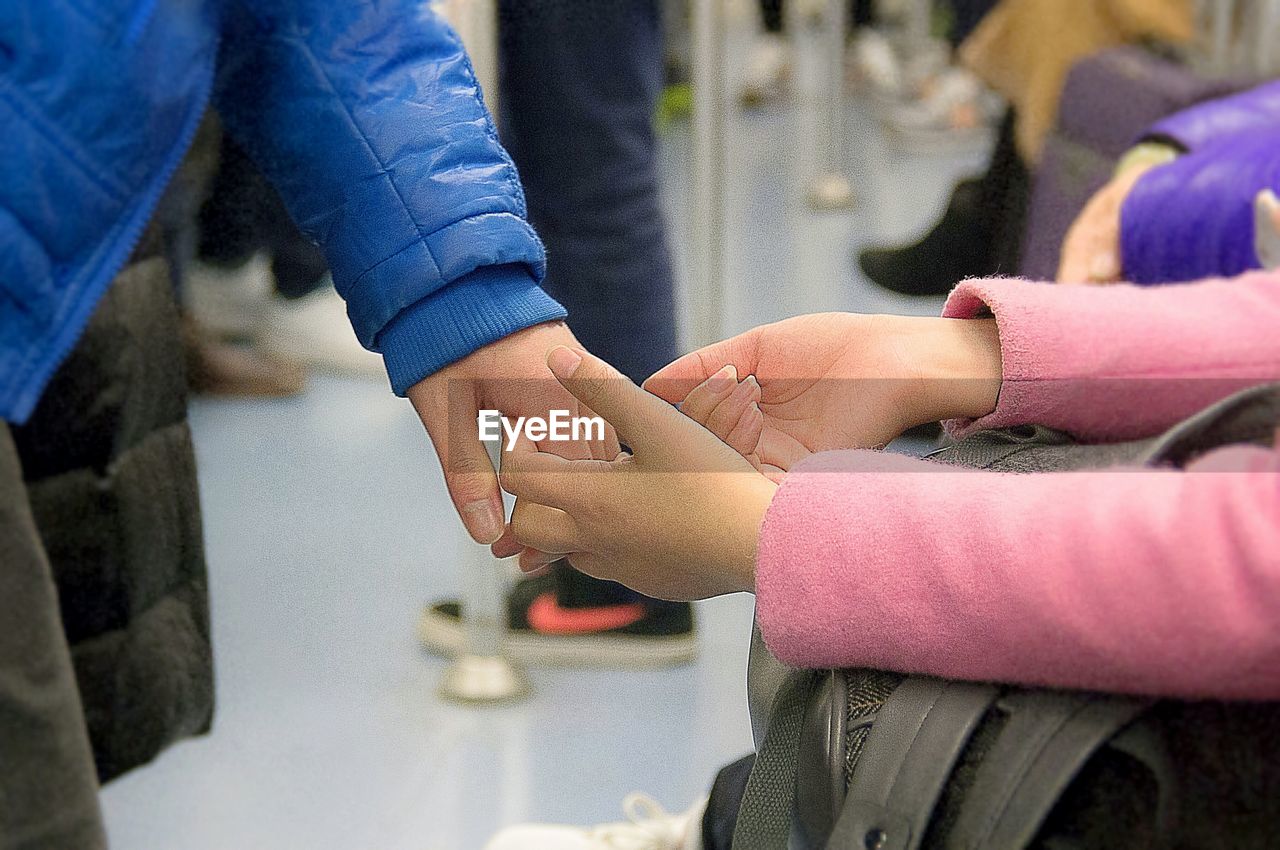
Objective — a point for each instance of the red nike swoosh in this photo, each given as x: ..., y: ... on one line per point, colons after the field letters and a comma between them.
x: 547, y: 617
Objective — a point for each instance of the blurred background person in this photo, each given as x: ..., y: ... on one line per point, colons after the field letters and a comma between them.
x: 1023, y: 49
x: 1192, y: 199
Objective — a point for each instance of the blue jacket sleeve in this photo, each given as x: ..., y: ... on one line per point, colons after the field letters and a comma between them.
x: 368, y: 119
x: 1193, y: 218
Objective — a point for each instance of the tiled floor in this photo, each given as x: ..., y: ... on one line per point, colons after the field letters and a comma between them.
x: 327, y: 527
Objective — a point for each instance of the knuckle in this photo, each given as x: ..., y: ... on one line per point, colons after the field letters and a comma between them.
x: 466, y: 464
x: 520, y: 523
x: 593, y: 386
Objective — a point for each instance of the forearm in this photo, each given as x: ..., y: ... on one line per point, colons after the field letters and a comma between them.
x: 1147, y: 581
x: 368, y: 120
x: 960, y: 369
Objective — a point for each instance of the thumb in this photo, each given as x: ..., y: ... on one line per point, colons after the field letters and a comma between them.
x: 1104, y: 267
x: 450, y: 420
x: 473, y: 488
x: 604, y: 390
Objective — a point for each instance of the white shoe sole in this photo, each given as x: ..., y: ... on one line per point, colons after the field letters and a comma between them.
x: 446, y: 636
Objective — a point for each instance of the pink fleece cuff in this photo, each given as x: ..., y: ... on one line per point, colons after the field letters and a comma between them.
x: 1122, y: 362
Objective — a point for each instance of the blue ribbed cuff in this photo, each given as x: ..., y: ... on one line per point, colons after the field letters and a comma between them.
x: 473, y: 311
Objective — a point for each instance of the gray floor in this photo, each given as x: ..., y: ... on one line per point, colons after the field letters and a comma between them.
x: 327, y: 527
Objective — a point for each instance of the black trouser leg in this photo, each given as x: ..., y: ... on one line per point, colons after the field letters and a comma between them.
x: 579, y: 83
x: 721, y: 816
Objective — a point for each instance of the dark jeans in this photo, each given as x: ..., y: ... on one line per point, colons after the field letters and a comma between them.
x: 244, y: 214
x: 862, y: 13
x: 965, y: 16
x: 579, y: 83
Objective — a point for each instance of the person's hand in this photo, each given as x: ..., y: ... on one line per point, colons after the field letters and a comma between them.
x: 1091, y: 249
x: 1266, y: 232
x: 509, y: 375
x: 678, y: 518
x: 730, y: 409
x: 843, y: 380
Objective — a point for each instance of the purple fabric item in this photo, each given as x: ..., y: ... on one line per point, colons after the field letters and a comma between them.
x: 1257, y: 109
x: 1193, y: 218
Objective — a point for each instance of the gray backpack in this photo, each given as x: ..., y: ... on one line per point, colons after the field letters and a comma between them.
x: 871, y: 760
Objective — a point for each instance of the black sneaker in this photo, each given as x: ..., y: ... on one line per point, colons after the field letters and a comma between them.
x: 640, y: 634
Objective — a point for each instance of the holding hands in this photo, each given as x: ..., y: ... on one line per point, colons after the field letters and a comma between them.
x: 679, y: 516
x: 449, y: 402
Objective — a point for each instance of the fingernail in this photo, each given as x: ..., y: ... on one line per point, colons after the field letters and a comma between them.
x: 751, y: 379
x: 723, y: 380
x: 482, y: 520
x: 562, y: 361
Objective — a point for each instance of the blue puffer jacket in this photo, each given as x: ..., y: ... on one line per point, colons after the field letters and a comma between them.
x: 1193, y: 218
x: 365, y: 114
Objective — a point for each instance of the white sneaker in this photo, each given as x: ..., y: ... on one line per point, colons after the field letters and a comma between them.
x: 875, y: 61
x: 229, y: 302
x: 955, y: 109
x: 648, y: 827
x: 241, y: 303
x: 767, y: 71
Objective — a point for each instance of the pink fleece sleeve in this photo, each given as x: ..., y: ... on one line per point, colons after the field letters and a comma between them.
x: 1135, y: 580
x: 1121, y: 362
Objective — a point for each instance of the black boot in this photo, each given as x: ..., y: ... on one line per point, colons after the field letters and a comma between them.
x: 957, y: 247
x: 979, y: 235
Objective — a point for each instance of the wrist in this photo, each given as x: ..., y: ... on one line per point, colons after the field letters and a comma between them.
x: 960, y: 370
x: 757, y: 496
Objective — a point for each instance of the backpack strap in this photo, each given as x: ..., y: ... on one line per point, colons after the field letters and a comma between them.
x: 764, y: 820
x: 915, y: 740
x: 1047, y: 739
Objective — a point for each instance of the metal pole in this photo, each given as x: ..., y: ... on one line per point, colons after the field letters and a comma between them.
x: 831, y: 189
x: 476, y: 21
x: 1266, y: 26
x: 710, y: 103
x: 1223, y: 12
x: 482, y: 673
x: 919, y: 20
